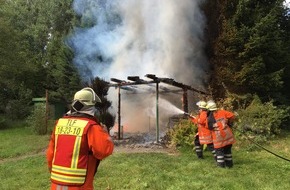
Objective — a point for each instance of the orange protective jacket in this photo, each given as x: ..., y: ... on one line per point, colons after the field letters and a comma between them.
x: 204, y: 133
x: 95, y: 145
x: 222, y: 134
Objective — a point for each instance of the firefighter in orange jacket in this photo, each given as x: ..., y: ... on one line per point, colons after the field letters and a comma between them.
x: 203, y: 136
x: 218, y: 121
x: 77, y: 145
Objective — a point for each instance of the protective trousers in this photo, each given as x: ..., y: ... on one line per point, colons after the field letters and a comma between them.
x: 210, y: 147
x: 198, y: 148
x: 224, y: 156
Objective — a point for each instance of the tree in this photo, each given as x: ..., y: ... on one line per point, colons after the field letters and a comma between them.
x: 37, y: 57
x: 15, y: 72
x: 101, y: 88
x: 285, y: 27
x: 62, y: 78
x: 250, y: 52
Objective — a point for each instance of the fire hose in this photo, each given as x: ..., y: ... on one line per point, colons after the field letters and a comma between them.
x: 249, y: 139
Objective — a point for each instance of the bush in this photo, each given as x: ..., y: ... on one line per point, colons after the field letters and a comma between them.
x: 261, y: 120
x: 17, y: 106
x: 182, y: 134
x: 6, y: 123
x: 37, y: 120
x: 3, y: 122
x: 17, y: 109
x: 107, y: 119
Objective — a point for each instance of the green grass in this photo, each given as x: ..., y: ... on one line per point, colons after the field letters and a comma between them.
x: 257, y: 170
x: 20, y: 141
x: 30, y: 173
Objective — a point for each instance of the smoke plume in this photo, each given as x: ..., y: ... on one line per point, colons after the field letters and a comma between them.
x: 121, y: 38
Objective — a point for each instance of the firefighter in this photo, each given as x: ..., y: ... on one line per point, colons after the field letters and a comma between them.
x: 218, y: 122
x: 77, y: 145
x: 203, y: 136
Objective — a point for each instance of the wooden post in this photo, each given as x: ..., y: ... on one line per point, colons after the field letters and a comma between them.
x: 157, y: 112
x: 185, y: 101
x: 46, y: 111
x: 119, y: 113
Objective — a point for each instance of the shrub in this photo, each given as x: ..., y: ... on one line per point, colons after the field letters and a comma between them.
x: 3, y: 122
x: 182, y: 134
x: 37, y: 120
x: 17, y: 109
x: 261, y: 120
x: 17, y: 106
x: 6, y: 123
x: 107, y: 119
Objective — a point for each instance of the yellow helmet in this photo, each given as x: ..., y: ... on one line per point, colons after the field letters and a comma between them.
x: 201, y: 104
x: 87, y: 96
x: 211, y: 105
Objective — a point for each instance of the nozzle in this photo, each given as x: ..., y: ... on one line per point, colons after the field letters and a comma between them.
x: 187, y: 114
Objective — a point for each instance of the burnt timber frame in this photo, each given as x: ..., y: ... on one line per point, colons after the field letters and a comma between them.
x: 121, y: 84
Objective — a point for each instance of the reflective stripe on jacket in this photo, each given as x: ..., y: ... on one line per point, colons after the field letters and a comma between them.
x: 205, y: 136
x: 222, y: 133
x: 69, y: 165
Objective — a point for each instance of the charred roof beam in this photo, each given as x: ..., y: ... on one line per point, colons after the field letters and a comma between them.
x: 117, y: 80
x: 172, y: 82
x: 136, y: 81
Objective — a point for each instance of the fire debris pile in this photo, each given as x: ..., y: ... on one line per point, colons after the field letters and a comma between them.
x: 140, y: 140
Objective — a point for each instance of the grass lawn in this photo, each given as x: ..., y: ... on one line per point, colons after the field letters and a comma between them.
x: 23, y: 166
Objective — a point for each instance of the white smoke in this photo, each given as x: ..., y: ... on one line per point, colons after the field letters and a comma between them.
x: 287, y: 3
x: 129, y: 37
x: 139, y: 37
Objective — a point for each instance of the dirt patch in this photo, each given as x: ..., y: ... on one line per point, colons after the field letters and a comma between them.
x: 135, y: 143
x: 22, y: 157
